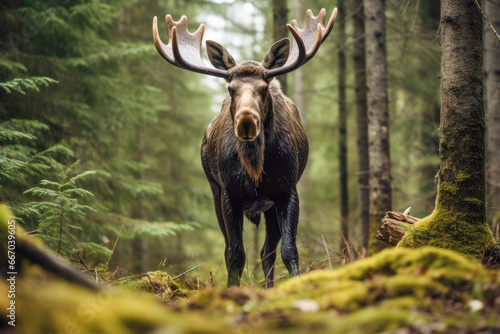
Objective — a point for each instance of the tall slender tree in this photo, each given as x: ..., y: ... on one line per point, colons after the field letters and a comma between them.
x: 458, y: 221
x: 492, y: 75
x: 300, y: 103
x: 280, y: 31
x: 378, y: 117
x: 361, y: 121
x: 342, y: 123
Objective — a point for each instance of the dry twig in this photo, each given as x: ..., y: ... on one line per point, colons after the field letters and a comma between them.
x: 187, y: 271
x: 81, y: 260
x: 327, y: 252
x: 114, y: 246
x: 487, y: 20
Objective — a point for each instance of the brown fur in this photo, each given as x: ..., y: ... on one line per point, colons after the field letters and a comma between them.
x: 251, y: 155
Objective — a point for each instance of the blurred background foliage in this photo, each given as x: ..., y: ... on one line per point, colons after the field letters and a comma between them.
x: 81, y: 80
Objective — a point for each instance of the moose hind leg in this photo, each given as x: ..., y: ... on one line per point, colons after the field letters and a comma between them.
x: 288, y: 218
x: 268, y: 252
x: 232, y: 212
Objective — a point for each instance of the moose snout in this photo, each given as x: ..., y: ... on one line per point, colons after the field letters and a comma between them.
x: 247, y: 125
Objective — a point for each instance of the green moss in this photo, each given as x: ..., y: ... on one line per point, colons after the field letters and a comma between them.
x: 449, y: 187
x: 374, y: 320
x: 393, y: 289
x: 461, y: 176
x: 158, y: 282
x: 59, y: 307
x: 456, y: 223
x: 388, y: 274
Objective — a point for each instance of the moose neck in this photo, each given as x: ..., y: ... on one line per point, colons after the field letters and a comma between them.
x: 252, y: 153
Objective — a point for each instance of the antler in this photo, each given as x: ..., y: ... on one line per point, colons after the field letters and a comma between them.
x: 306, y: 41
x: 184, y: 48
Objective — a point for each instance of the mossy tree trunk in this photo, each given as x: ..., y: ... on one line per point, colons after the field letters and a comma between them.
x: 378, y: 118
x: 458, y: 221
x: 280, y: 11
x: 361, y: 121
x: 492, y: 74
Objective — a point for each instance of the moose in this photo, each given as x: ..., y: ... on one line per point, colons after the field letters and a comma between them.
x: 255, y: 150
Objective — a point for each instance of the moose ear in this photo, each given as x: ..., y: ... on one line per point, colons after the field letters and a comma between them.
x: 277, y: 54
x: 219, y: 57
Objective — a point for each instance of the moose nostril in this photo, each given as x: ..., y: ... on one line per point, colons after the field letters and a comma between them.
x: 246, y: 127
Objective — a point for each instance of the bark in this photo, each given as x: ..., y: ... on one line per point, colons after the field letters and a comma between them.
x: 280, y: 30
x: 378, y: 118
x: 492, y: 76
x: 394, y: 226
x: 458, y: 221
x: 342, y: 121
x: 361, y: 121
x: 298, y: 77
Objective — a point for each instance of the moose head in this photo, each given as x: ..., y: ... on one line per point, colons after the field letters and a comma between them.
x: 248, y: 83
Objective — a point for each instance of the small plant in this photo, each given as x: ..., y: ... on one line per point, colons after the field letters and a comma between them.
x: 60, y: 210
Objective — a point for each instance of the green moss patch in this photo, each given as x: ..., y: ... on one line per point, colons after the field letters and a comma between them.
x: 157, y: 282
x: 419, y: 289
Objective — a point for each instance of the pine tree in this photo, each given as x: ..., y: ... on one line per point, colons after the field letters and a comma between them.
x: 60, y: 211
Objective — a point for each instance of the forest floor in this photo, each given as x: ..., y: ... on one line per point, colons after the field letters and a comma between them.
x: 423, y: 290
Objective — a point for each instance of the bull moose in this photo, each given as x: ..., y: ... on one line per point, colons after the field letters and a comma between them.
x: 255, y: 150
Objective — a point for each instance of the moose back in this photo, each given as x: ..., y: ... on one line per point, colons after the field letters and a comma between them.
x: 255, y: 150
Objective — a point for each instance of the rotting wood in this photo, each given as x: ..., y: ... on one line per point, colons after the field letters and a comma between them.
x: 393, y: 227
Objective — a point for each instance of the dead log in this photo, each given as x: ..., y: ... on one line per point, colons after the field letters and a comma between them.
x: 393, y: 226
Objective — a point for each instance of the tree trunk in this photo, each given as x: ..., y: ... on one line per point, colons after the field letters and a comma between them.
x: 378, y: 118
x: 492, y: 74
x: 361, y: 122
x: 298, y: 77
x: 280, y: 30
x: 342, y: 121
x: 458, y: 221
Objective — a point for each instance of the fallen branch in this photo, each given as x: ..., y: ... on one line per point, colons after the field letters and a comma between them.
x: 187, y: 271
x: 393, y: 226
x: 54, y: 265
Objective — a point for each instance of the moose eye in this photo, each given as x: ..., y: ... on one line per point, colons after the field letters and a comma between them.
x: 262, y: 89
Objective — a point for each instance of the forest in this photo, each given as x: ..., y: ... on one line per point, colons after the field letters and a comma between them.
x: 111, y: 221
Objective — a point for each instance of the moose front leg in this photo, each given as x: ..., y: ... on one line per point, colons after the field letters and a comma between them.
x: 288, y: 217
x: 268, y: 252
x: 232, y: 211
